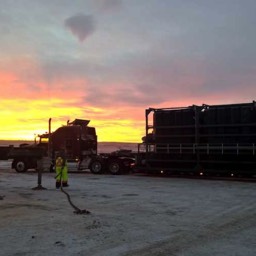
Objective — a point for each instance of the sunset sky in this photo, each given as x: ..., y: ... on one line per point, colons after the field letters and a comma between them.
x: 109, y: 60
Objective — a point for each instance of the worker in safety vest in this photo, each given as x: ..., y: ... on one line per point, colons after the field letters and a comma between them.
x: 61, y: 170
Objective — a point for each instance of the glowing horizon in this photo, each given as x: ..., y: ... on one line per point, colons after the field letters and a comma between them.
x: 34, y: 121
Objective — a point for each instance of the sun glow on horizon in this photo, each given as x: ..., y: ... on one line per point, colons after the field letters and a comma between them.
x: 25, y: 119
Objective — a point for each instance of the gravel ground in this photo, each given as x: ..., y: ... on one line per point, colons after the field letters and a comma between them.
x: 130, y: 215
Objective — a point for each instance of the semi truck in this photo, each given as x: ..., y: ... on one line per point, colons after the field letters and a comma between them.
x: 80, y: 144
x: 199, y: 140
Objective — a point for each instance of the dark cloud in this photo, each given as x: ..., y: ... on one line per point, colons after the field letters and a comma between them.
x: 81, y: 26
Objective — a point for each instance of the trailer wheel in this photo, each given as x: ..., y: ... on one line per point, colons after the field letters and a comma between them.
x: 20, y: 165
x: 96, y: 167
x: 114, y: 167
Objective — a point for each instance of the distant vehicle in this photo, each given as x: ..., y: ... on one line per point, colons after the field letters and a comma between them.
x: 203, y: 140
x: 80, y: 143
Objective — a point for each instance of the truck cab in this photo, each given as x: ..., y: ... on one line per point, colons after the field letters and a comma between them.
x: 77, y: 138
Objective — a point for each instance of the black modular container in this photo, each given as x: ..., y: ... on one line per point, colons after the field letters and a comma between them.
x: 207, y: 138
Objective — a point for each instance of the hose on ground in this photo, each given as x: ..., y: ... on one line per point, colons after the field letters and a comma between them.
x: 76, y: 209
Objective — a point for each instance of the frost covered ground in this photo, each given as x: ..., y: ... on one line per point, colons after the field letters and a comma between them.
x: 130, y: 215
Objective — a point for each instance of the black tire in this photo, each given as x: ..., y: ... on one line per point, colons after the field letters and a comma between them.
x: 114, y: 167
x: 96, y: 166
x: 20, y: 165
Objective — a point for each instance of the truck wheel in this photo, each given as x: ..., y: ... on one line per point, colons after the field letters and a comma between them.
x: 96, y: 167
x: 114, y: 167
x: 20, y: 166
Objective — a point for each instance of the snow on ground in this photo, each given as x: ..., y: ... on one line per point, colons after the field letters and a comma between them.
x: 130, y: 215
